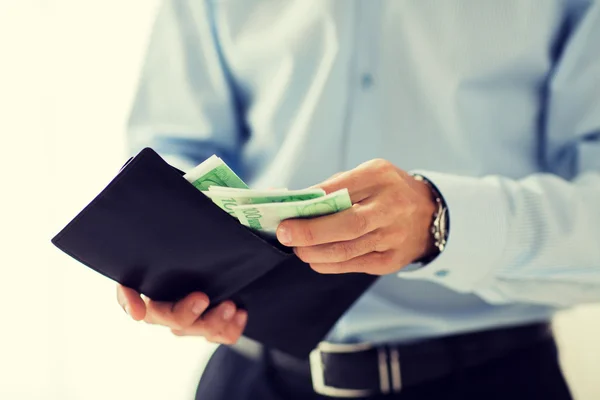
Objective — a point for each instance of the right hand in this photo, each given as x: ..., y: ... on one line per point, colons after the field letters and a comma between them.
x: 223, y: 324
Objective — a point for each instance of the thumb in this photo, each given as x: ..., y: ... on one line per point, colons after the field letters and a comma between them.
x: 131, y: 302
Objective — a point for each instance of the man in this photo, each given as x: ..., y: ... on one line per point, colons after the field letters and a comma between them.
x: 495, y: 103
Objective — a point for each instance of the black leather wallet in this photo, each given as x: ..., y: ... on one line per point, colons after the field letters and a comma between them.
x: 151, y: 230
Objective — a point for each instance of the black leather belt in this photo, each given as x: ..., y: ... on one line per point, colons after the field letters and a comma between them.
x: 363, y: 370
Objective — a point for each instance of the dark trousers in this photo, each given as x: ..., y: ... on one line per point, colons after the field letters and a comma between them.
x: 531, y: 373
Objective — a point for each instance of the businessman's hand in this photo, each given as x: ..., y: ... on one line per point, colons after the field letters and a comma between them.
x: 387, y: 228
x: 223, y: 324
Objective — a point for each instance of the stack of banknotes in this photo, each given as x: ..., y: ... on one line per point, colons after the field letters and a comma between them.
x: 261, y: 210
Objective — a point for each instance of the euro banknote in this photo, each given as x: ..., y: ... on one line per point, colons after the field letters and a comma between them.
x: 214, y: 172
x: 227, y: 199
x: 267, y: 217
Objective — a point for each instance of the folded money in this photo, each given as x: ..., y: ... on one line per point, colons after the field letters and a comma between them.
x: 232, y: 189
x: 227, y: 199
x: 261, y: 210
x: 267, y: 217
x: 214, y: 172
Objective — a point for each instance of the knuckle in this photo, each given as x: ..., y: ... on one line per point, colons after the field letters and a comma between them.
x: 307, y: 234
x: 360, y: 223
x: 380, y: 164
x: 384, y: 168
x: 346, y: 250
x: 340, y: 251
x: 376, y: 241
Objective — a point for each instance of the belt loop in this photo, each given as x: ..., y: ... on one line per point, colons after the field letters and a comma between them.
x: 395, y: 369
x: 384, y: 376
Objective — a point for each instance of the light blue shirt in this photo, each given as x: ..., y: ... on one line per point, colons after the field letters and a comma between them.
x: 497, y: 102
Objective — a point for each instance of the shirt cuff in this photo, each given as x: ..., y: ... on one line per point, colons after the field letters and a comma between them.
x: 477, y: 237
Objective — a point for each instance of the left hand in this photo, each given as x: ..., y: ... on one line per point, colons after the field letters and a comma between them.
x: 387, y: 228
x: 187, y: 317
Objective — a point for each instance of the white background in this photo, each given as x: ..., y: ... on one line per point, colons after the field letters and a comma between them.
x: 68, y: 70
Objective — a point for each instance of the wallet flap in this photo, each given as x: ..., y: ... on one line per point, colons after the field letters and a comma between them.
x: 292, y: 308
x: 153, y: 231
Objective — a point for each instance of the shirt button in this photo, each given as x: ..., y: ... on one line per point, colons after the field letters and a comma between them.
x: 442, y: 273
x: 366, y: 80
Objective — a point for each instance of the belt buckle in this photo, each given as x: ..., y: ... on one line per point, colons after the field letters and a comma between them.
x: 318, y: 372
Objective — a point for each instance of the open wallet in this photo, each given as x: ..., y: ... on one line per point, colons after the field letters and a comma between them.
x: 153, y: 231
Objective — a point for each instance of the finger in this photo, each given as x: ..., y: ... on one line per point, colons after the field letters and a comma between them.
x: 160, y: 313
x: 371, y: 263
x: 178, y: 315
x: 188, y: 310
x: 216, y: 320
x: 359, y: 188
x: 131, y: 302
x: 361, y: 180
x: 327, y: 180
x: 349, y: 224
x: 342, y: 251
x: 232, y: 331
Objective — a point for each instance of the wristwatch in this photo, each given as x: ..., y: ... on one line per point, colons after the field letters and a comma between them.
x: 440, y: 226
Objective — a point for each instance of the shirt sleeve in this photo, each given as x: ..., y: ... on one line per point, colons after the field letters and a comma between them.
x: 186, y: 107
x: 535, y: 240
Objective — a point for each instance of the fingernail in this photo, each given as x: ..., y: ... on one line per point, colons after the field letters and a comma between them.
x: 127, y: 309
x: 228, y: 312
x: 241, y: 318
x: 284, y: 235
x: 198, y: 307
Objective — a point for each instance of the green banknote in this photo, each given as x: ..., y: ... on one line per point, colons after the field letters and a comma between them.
x: 266, y: 217
x: 214, y: 172
x: 227, y: 198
